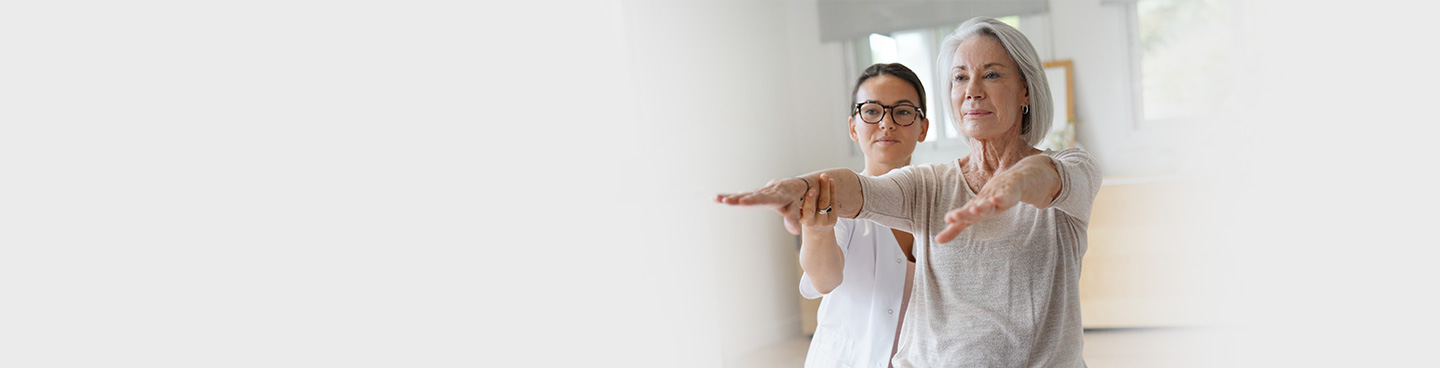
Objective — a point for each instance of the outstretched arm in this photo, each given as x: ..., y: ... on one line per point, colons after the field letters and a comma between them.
x: 1034, y: 180
x: 785, y: 195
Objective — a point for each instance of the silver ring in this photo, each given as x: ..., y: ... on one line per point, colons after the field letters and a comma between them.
x: 826, y: 210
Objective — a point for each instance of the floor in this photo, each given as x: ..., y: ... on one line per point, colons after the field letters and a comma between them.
x: 1122, y: 348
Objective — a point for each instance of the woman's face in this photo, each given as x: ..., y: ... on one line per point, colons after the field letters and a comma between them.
x: 987, y: 90
x: 887, y: 141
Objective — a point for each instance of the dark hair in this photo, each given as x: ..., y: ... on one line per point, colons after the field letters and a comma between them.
x: 893, y: 69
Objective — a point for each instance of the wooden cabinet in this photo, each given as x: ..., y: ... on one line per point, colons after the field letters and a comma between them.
x: 1147, y: 263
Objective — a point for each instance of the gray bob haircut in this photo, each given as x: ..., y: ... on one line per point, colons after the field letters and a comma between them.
x: 1042, y: 108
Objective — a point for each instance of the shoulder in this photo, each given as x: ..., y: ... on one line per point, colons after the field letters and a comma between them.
x: 1074, y: 158
x: 1069, y: 154
x: 1077, y: 168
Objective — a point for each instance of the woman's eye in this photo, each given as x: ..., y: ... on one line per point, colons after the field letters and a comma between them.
x: 903, y: 112
x: 959, y: 78
x: 992, y: 75
x: 872, y: 112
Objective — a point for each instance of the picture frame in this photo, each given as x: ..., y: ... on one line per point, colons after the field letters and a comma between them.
x: 1061, y: 77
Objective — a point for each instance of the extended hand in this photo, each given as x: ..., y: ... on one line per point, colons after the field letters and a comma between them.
x: 998, y: 195
x: 1033, y: 180
x: 782, y: 195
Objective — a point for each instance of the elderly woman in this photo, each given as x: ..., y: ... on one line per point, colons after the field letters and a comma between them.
x: 1000, y: 233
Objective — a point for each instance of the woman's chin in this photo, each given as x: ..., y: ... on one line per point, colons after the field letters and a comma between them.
x: 889, y: 152
x: 983, y: 134
x: 978, y: 131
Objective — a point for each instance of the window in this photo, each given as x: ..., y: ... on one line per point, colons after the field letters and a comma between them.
x: 1183, y: 47
x: 911, y: 48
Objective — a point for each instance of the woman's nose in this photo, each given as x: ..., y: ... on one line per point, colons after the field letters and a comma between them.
x: 888, y: 122
x: 973, y: 93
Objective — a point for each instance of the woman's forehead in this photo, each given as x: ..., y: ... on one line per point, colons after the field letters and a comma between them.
x: 981, y: 52
x: 886, y: 89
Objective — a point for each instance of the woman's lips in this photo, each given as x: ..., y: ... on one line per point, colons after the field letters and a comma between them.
x: 976, y: 112
x: 887, y: 141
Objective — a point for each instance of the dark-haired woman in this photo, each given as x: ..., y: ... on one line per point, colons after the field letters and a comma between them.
x: 861, y: 268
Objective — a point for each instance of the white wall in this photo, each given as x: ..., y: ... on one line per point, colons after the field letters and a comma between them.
x: 820, y: 93
x: 731, y: 92
x: 398, y: 184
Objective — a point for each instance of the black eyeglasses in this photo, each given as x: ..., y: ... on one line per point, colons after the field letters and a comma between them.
x: 901, y: 114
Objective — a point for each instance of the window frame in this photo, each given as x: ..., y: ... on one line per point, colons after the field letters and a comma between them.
x: 944, y: 138
x: 1137, y: 78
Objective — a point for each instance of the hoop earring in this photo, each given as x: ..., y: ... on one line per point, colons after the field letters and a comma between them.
x: 1025, y: 109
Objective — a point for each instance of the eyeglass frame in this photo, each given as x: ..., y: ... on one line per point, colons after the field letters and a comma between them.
x: 886, y: 110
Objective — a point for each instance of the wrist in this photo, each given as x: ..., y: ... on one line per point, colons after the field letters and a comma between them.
x: 814, y: 230
x: 806, y: 189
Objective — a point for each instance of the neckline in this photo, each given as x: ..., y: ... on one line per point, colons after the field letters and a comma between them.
x: 960, y: 171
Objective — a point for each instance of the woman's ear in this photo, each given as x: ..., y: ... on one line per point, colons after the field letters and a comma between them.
x: 924, y: 128
x: 854, y: 136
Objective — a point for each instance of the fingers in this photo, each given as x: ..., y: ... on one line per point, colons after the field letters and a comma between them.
x: 832, y: 216
x: 949, y: 233
x: 759, y: 197
x: 990, y: 201
x: 971, y: 212
x: 959, y: 219
x: 825, y: 199
x: 791, y: 213
x: 807, y: 207
x: 734, y: 198
x: 956, y: 221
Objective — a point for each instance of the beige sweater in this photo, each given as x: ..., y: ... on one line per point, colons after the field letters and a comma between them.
x: 1006, y: 292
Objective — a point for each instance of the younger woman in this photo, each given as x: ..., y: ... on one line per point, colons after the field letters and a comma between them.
x: 861, y: 268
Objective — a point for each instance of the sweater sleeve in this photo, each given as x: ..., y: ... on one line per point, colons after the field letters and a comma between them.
x: 1079, y: 182
x: 892, y: 199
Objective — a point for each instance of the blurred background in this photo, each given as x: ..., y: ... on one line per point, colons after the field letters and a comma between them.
x: 444, y: 183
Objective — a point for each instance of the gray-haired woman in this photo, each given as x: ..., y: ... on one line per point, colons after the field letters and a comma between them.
x: 1000, y: 232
